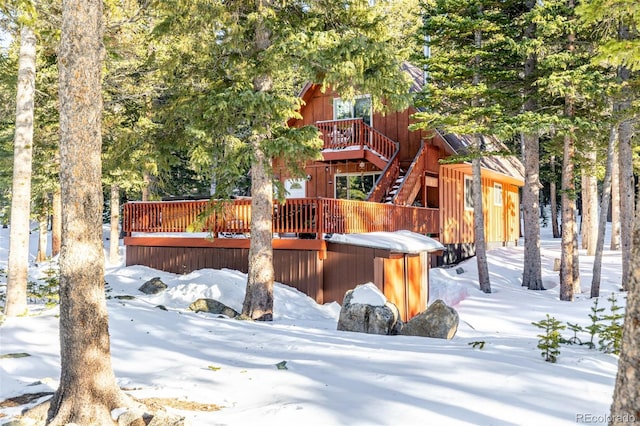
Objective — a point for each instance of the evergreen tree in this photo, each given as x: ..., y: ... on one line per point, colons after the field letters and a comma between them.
x: 470, y: 87
x: 571, y: 90
x: 235, y: 70
x: 88, y: 391
x: 622, y: 49
x: 16, y: 298
x: 530, y: 134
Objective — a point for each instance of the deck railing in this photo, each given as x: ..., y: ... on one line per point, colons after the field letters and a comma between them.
x: 355, y: 133
x: 305, y: 217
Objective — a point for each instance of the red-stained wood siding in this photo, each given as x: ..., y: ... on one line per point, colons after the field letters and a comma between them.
x: 301, y: 269
x: 501, y: 221
x: 403, y: 279
x: 394, y: 125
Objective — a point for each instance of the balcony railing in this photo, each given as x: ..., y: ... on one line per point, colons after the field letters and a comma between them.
x: 306, y: 217
x: 354, y: 133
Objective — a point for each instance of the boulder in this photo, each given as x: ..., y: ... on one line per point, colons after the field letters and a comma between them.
x: 438, y: 321
x: 376, y: 317
x: 153, y: 286
x: 213, y: 307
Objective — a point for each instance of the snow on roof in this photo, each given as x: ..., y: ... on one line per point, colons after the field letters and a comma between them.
x: 399, y: 241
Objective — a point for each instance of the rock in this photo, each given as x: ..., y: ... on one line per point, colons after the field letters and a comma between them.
x: 366, y: 318
x: 213, y: 307
x: 153, y: 286
x: 438, y: 321
x: 124, y: 297
x: 459, y: 270
x: 135, y: 417
x: 164, y: 419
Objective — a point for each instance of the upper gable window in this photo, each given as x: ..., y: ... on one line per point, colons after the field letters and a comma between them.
x: 360, y: 107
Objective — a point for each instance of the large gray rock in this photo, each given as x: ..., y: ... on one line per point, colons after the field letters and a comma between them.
x: 439, y: 321
x: 366, y: 318
x: 213, y: 307
x: 153, y: 286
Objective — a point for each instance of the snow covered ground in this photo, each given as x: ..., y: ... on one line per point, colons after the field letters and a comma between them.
x: 335, y: 377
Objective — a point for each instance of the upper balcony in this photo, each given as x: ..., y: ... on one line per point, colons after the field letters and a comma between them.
x: 353, y: 139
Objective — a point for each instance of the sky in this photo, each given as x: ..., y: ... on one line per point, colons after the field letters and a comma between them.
x: 336, y: 377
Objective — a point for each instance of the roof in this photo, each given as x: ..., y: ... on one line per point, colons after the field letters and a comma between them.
x: 415, y: 73
x: 501, y: 161
x: 398, y: 241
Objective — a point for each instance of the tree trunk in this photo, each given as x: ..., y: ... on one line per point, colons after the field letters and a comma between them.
x: 478, y: 223
x: 56, y: 223
x: 42, y: 238
x: 532, y: 270
x: 258, y: 301
x: 16, y: 297
x: 625, y: 409
x: 627, y: 198
x: 146, y: 178
x: 568, y: 204
x: 589, y: 203
x: 577, y: 288
x: 87, y: 391
x: 615, y: 200
x: 532, y: 273
x: 114, y: 234
x: 604, y: 211
x: 569, y: 277
x: 553, y: 195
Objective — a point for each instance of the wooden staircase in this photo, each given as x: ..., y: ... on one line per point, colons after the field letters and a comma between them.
x: 409, y: 187
x: 399, y: 186
x: 393, y: 191
x: 352, y: 139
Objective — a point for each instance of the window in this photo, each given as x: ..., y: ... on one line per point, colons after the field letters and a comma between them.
x: 468, y: 193
x: 497, y: 194
x: 358, y: 108
x: 355, y: 186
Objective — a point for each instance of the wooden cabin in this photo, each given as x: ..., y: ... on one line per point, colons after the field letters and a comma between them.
x: 374, y: 176
x: 375, y: 158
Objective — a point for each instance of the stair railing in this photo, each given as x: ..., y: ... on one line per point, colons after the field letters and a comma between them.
x: 410, y: 185
x: 386, y: 180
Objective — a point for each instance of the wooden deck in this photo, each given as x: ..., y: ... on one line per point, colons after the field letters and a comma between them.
x: 304, y: 218
x: 156, y: 235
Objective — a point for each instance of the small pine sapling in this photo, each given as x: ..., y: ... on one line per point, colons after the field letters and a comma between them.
x: 594, y: 328
x: 574, y: 340
x: 549, y: 342
x: 611, y: 332
x: 479, y: 344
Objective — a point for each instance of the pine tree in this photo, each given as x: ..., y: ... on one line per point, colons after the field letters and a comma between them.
x: 530, y: 134
x: 623, y: 50
x: 16, y: 302
x: 604, y: 209
x: 88, y: 391
x: 572, y: 88
x: 234, y: 73
x: 549, y: 342
x: 470, y: 87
